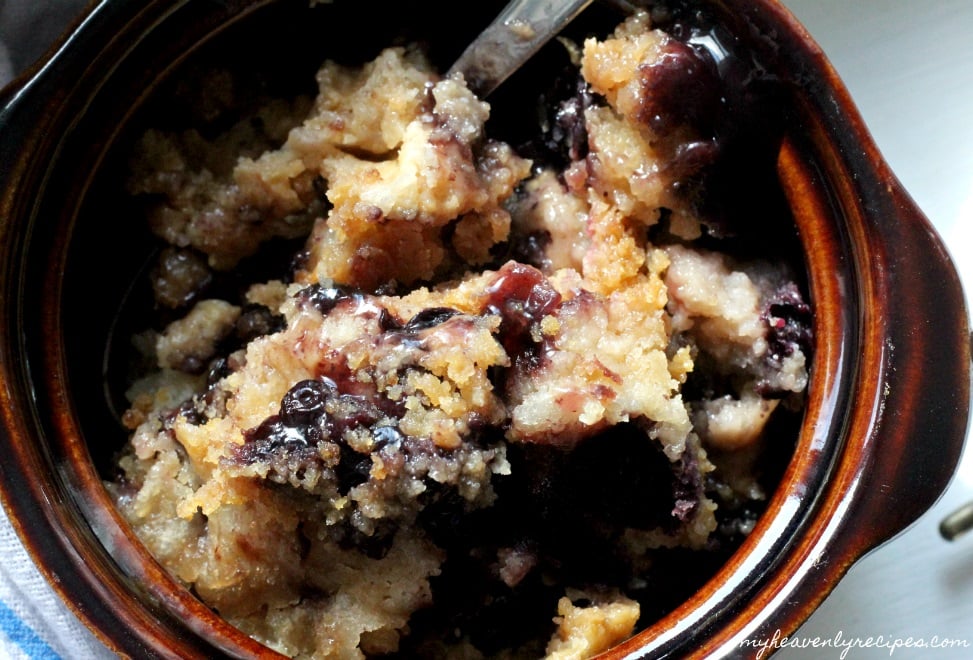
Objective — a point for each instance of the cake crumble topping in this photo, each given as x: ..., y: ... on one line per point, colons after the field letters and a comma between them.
x: 492, y: 392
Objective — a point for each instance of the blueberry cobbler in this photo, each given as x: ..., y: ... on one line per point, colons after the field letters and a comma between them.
x: 462, y: 398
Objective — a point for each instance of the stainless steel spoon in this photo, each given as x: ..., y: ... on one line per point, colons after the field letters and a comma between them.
x: 511, y: 39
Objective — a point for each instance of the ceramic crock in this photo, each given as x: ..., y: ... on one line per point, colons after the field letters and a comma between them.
x: 888, y: 401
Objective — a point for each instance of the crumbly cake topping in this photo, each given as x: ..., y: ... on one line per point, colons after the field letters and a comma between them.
x: 480, y: 370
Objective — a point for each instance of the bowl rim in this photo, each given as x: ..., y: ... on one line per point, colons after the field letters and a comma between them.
x: 868, y: 364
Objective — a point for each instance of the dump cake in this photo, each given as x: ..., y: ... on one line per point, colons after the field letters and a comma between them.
x: 495, y: 399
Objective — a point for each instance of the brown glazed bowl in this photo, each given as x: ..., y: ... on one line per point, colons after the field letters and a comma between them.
x: 888, y: 400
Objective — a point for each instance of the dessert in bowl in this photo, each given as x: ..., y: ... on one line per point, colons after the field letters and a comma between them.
x: 421, y: 400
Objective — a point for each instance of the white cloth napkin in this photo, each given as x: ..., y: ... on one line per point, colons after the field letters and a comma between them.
x: 35, y: 624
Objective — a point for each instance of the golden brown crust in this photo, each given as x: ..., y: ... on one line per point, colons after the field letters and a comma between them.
x: 302, y: 473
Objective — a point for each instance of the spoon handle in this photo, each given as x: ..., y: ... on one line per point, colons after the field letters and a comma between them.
x: 511, y: 39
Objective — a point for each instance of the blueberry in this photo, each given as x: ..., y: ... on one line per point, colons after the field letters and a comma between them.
x: 305, y: 402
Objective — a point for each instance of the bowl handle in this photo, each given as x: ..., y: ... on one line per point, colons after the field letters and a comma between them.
x: 909, y: 408
x: 922, y: 413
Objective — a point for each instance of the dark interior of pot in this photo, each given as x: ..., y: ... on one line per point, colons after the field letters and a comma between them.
x: 748, y: 212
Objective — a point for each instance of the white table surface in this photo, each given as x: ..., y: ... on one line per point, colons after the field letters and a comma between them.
x: 909, y: 67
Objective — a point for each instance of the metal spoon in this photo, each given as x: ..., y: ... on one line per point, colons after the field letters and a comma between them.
x: 511, y: 39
